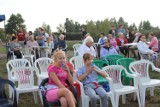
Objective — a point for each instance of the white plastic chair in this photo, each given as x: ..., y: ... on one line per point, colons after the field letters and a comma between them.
x: 85, y: 99
x: 16, y: 63
x: 77, y: 62
x: 27, y: 54
x: 116, y: 86
x: 75, y: 49
x: 42, y: 64
x: 142, y: 69
x: 25, y: 77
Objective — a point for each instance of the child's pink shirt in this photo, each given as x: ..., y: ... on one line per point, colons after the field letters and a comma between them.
x: 61, y: 74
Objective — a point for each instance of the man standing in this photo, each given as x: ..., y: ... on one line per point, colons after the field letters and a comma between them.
x: 113, y: 32
x: 21, y: 37
x: 40, y: 37
x: 83, y: 33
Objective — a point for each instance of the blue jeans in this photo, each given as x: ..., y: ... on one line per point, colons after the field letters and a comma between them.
x: 92, y: 92
x: 40, y: 44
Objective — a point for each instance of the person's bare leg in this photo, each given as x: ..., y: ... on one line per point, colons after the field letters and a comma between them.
x: 63, y: 102
x: 64, y: 92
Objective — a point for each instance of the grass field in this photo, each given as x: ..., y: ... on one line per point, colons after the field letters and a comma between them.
x: 26, y: 100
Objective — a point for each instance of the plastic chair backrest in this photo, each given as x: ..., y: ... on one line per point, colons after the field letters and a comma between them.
x: 100, y: 64
x: 25, y: 76
x: 26, y: 51
x: 112, y: 59
x: 77, y: 62
x: 43, y: 63
x: 16, y: 63
x: 142, y: 68
x: 125, y: 62
x: 4, y: 101
x: 114, y: 72
x: 75, y: 49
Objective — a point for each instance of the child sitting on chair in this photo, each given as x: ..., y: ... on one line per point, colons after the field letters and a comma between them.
x: 88, y: 75
x: 58, y: 73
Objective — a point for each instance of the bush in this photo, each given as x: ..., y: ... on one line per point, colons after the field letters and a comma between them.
x: 71, y: 43
x: 74, y: 36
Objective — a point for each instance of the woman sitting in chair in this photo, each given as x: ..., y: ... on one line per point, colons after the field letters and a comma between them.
x: 107, y: 49
x: 144, y: 49
x: 58, y: 73
x: 61, y: 43
x: 15, y: 47
x: 88, y: 75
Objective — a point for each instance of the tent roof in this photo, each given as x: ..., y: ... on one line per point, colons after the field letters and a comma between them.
x: 2, y: 18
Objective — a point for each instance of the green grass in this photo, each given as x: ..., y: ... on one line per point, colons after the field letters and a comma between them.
x: 26, y: 100
x: 2, y: 49
x: 71, y: 43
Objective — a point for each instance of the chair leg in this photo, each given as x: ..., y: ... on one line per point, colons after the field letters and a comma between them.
x: 117, y: 100
x: 142, y: 96
x: 112, y: 101
x: 10, y: 92
x: 17, y: 97
x: 40, y: 95
x: 137, y: 94
x: 152, y: 91
x: 35, y: 97
x: 123, y: 99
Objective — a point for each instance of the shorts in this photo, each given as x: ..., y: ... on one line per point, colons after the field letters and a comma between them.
x: 51, y: 95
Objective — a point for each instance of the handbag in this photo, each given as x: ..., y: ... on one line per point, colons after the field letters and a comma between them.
x: 106, y: 87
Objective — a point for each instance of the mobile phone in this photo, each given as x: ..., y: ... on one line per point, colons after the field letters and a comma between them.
x: 92, y: 64
x: 63, y: 65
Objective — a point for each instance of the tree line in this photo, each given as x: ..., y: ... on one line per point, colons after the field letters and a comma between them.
x: 71, y: 27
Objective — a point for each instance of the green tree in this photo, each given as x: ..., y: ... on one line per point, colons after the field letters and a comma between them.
x: 92, y: 29
x: 147, y: 25
x: 14, y: 23
x: 113, y: 21
x: 133, y: 27
x: 61, y: 28
x: 46, y: 27
x: 140, y: 27
x: 121, y: 21
x: 72, y: 26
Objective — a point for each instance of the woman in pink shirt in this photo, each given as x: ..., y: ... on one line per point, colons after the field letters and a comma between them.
x: 113, y: 42
x: 154, y: 42
x: 58, y: 73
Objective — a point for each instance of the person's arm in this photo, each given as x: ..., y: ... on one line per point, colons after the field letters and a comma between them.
x: 99, y: 41
x: 69, y: 76
x: 54, y: 78
x: 81, y: 50
x: 151, y: 43
x: 83, y: 76
x: 99, y: 72
x: 102, y: 53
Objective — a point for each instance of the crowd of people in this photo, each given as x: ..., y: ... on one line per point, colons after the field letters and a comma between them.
x: 61, y: 70
x: 118, y: 39
x: 40, y: 39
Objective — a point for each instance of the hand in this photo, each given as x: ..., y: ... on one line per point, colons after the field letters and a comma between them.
x: 89, y: 70
x: 65, y: 67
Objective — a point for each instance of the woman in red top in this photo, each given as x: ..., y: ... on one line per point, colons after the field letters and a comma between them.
x: 120, y: 42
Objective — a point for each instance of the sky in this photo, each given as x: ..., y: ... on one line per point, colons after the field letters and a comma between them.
x: 54, y: 12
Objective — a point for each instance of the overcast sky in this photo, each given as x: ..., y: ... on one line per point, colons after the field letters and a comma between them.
x: 54, y: 12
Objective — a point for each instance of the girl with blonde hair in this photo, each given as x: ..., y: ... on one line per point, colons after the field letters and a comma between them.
x: 58, y: 73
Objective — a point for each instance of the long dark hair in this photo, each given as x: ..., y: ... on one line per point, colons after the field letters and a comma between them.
x: 140, y: 37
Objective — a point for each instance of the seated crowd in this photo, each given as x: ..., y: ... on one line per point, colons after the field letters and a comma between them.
x: 61, y: 70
